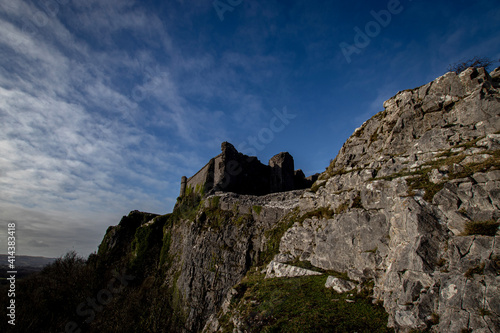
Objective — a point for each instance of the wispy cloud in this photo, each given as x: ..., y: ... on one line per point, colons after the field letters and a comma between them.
x: 105, y: 104
x: 91, y: 127
x: 72, y: 142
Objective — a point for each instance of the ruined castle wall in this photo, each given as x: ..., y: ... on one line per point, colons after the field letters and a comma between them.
x: 219, y: 168
x: 282, y: 172
x: 204, y: 177
x: 232, y: 171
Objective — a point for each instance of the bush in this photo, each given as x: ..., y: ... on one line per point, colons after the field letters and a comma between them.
x: 47, y: 300
x: 257, y: 209
x: 476, y: 62
x: 485, y: 228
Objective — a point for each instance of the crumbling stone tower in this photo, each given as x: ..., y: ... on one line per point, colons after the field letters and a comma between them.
x: 282, y: 172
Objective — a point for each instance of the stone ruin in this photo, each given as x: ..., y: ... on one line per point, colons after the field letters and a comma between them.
x: 232, y: 171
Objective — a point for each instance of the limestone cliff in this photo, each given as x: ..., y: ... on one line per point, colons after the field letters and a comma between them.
x: 414, y: 196
x: 407, y: 213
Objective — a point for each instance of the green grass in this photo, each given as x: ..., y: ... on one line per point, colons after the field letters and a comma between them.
x: 214, y: 202
x: 423, y: 182
x: 186, y: 206
x: 147, y: 242
x: 274, y: 235
x: 257, y: 209
x: 419, y: 179
x: 485, y: 228
x: 303, y: 304
x: 242, y: 219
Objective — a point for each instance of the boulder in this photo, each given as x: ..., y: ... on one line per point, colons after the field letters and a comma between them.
x: 277, y: 269
x: 339, y: 285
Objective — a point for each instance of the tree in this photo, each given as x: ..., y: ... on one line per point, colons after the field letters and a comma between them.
x: 475, y: 62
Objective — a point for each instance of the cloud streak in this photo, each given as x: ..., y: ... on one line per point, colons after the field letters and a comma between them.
x: 74, y: 142
x: 91, y: 128
x: 105, y: 104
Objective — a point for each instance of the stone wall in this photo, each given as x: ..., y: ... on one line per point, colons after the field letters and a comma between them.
x: 204, y: 178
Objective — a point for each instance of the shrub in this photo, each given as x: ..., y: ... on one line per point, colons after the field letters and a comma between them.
x: 475, y: 62
x: 257, y: 209
x: 485, y: 228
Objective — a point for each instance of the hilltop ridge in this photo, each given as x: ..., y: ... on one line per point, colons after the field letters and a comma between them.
x: 411, y: 203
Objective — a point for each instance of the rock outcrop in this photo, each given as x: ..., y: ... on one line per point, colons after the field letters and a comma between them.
x: 277, y: 269
x: 339, y: 285
x: 412, y: 194
x: 204, y: 249
x: 409, y: 209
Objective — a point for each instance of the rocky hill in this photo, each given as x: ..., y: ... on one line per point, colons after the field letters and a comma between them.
x: 406, y: 215
x: 414, y: 198
x: 398, y: 234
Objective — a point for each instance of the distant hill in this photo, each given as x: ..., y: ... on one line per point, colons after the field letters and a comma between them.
x: 27, y: 261
x: 25, y: 265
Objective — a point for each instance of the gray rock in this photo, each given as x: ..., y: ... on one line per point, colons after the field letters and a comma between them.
x: 414, y: 250
x: 277, y: 269
x: 391, y: 208
x: 339, y: 285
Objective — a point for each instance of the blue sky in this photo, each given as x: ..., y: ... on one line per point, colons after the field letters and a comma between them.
x: 104, y: 105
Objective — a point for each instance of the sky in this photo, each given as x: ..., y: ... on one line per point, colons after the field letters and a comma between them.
x: 105, y: 104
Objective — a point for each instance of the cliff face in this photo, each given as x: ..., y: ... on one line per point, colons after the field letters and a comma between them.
x: 412, y: 195
x: 409, y: 207
x: 194, y: 256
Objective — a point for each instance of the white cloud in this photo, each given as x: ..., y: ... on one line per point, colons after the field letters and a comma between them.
x: 69, y: 143
x: 90, y: 129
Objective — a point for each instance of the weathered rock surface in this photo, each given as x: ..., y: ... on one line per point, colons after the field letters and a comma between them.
x: 277, y: 269
x: 401, y: 191
x: 339, y: 285
x: 396, y: 207
x: 206, y: 250
x: 215, y: 257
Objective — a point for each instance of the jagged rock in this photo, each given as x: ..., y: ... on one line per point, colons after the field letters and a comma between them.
x: 282, y: 172
x: 401, y: 192
x: 277, y: 269
x: 392, y: 207
x: 495, y: 77
x: 339, y: 285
